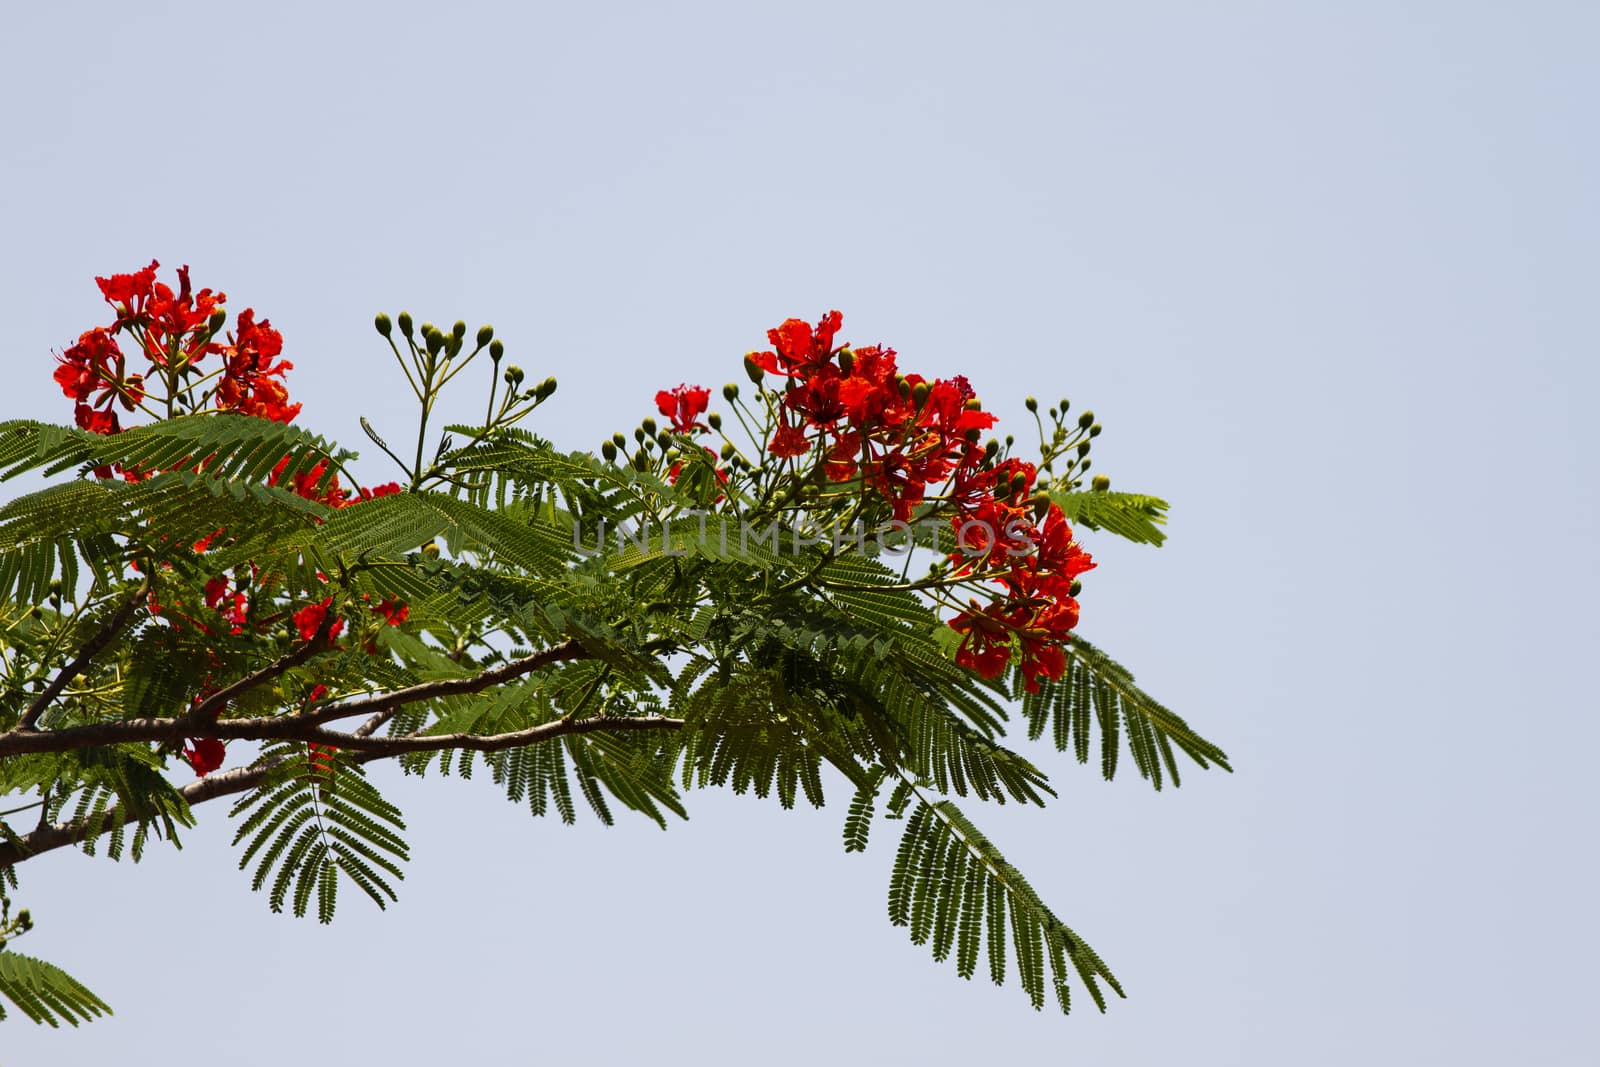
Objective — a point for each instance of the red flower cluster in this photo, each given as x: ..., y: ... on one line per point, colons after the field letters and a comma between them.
x: 898, y: 431
x: 306, y: 483
x: 174, y: 331
x: 901, y: 433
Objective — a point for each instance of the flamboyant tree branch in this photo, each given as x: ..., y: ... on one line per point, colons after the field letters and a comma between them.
x: 279, y: 727
x: 364, y: 750
x: 73, y: 667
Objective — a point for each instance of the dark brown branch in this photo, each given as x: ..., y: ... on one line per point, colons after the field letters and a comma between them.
x: 205, y: 713
x: 91, y: 648
x: 278, y: 727
x: 364, y: 749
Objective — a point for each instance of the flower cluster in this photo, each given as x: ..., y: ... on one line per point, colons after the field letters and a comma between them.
x: 174, y: 332
x: 899, y: 434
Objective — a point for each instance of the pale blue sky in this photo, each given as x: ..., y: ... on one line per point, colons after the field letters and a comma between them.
x: 1325, y: 272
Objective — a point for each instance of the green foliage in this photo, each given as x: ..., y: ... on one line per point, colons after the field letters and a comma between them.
x: 1135, y: 516
x: 310, y: 823
x: 44, y: 992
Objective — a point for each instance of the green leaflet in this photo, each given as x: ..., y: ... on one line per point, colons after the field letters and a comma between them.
x: 1135, y: 516
x: 45, y: 993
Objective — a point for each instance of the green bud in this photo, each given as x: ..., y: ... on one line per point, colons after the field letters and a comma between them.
x: 919, y: 393
x: 974, y: 404
x: 496, y: 350
x: 638, y: 435
x: 546, y: 389
x: 219, y: 316
x: 649, y: 425
x: 513, y: 375
x: 1075, y: 588
x: 1010, y: 440
x: 55, y: 587
x: 973, y: 435
x: 609, y: 450
x: 436, y: 341
x: 992, y: 449
x: 727, y: 451
x: 404, y: 322
x: 847, y: 360
x: 1101, y: 483
x: 485, y: 335
x: 1031, y: 404
x: 431, y: 550
x: 1064, y: 405
x: 753, y: 370
x: 641, y: 461
x: 664, y: 439
x: 1084, y: 465
x: 621, y: 441
x: 385, y: 327
x: 672, y: 454
x: 730, y: 392
x: 1086, y: 419
x: 1019, y: 482
x: 1094, y: 430
x: 1083, y: 448
x: 714, y: 421
x: 459, y: 330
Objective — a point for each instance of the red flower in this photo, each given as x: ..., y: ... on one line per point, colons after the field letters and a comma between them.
x: 206, y: 755
x: 247, y: 384
x: 129, y: 293
x: 799, y: 348
x: 393, y: 611
x: 789, y: 441
x: 308, y: 620
x: 684, y: 406
x: 386, y: 489
x: 986, y: 646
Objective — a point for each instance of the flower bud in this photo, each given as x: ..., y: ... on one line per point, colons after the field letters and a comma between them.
x: 435, y: 342
x: 727, y: 451
x: 1031, y: 404
x: 385, y: 327
x: 404, y: 322
x: 1083, y: 448
x: 621, y: 441
x: 640, y: 460
x: 638, y: 435
x: 752, y: 370
x: 1101, y: 483
x: 672, y: 454
x: 714, y: 421
x: 1084, y: 465
x: 218, y: 317
x: 1094, y: 430
x: 974, y: 404
x: 973, y: 435
x: 431, y: 550
x: 992, y: 449
x: 664, y: 439
x: 1010, y: 440
x: 496, y: 350
x: 513, y: 375
x: 459, y: 330
x: 546, y: 389
x: 1064, y: 405
x: 609, y: 450
x: 919, y: 393
x: 847, y: 360
x: 1019, y: 482
x: 649, y: 425
x: 1086, y: 420
x: 903, y: 386
x: 1075, y: 588
x: 730, y: 392
x: 485, y: 335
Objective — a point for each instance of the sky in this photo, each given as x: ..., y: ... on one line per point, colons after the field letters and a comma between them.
x: 1326, y: 275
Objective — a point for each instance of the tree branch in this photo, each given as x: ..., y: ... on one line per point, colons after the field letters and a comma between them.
x: 366, y: 749
x: 92, y: 648
x: 277, y: 727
